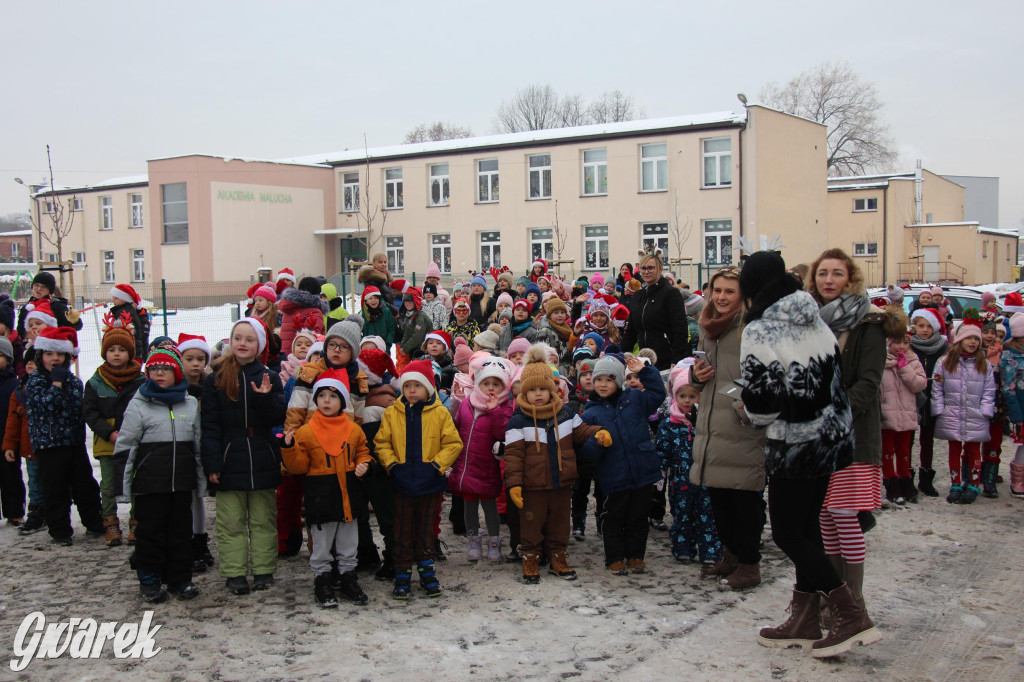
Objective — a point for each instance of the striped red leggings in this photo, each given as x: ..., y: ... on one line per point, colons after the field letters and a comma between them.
x: 841, y: 534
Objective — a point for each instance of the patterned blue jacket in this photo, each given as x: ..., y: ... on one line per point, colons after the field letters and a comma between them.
x: 54, y: 414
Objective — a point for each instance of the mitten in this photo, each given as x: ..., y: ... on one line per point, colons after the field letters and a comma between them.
x: 516, y: 493
x: 603, y: 437
x: 901, y: 359
x: 59, y: 374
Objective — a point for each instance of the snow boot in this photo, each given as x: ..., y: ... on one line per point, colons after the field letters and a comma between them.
x: 153, y: 593
x: 926, y: 481
x: 262, y: 581
x: 1016, y: 483
x: 350, y: 589
x: 970, y: 494
x: 578, y: 533
x: 494, y: 549
x: 800, y: 629
x: 185, y: 590
x: 112, y: 531
x: 636, y: 566
x: 745, y: 576
x: 988, y: 479
x: 721, y: 568
x: 618, y: 568
x: 473, y: 553
x: 132, y: 523
x: 893, y: 491
x: 428, y: 579
x: 560, y: 567
x: 238, y: 585
x: 201, y: 556
x: 956, y: 493
x: 386, y: 570
x: 402, y: 580
x: 531, y: 569
x: 908, y: 489
x: 34, y: 522
x: 850, y: 625
x: 323, y: 591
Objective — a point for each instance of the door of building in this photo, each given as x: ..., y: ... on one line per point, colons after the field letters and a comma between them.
x: 351, y: 249
x: 931, y: 263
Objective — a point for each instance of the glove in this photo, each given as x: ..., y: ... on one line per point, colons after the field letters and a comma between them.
x: 901, y: 359
x: 498, y: 450
x: 59, y: 374
x: 516, y: 494
x: 603, y: 438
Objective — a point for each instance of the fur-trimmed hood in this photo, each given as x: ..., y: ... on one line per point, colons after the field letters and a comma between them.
x: 893, y: 324
x: 304, y: 299
x: 370, y: 275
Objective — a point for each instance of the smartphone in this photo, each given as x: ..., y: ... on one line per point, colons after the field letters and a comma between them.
x: 699, y: 356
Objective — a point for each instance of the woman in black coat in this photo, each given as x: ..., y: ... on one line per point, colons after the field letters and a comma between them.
x: 657, y: 318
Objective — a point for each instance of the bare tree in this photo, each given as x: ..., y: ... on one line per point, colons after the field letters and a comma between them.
x: 558, y: 236
x: 572, y: 111
x: 681, y: 230
x: 366, y: 213
x: 61, y: 221
x: 832, y: 93
x: 535, y: 107
x: 613, y: 106
x: 437, y: 131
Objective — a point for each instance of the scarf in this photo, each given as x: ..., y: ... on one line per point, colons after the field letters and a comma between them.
x: 373, y: 314
x: 929, y: 346
x: 331, y: 433
x: 119, y: 377
x: 563, y: 330
x: 517, y: 329
x: 482, y: 403
x: 677, y: 416
x: 845, y: 312
x: 714, y: 327
x: 168, y: 396
x: 547, y: 411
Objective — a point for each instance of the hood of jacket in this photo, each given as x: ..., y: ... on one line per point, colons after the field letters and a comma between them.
x: 371, y: 275
x: 304, y: 299
x: 797, y: 308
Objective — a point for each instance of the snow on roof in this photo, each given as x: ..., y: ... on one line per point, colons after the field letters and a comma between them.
x: 863, y: 185
x: 16, y: 233
x: 954, y: 224
x: 1001, y: 233
x: 880, y: 176
x: 105, y: 184
x: 241, y: 158
x: 509, y: 139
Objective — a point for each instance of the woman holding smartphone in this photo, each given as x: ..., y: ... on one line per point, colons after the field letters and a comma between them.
x: 728, y: 453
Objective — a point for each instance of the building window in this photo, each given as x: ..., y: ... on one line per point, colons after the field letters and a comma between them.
x: 865, y: 205
x: 487, y: 181
x: 396, y: 254
x: 175, y: 211
x: 717, y: 242
x: 76, y: 204
x: 350, y: 192
x: 15, y: 250
x: 595, y: 247
x: 718, y: 162
x: 541, y: 245
x: 108, y: 266
x: 540, y: 176
x: 655, y: 236
x: 135, y: 200
x: 595, y: 172
x: 138, y: 265
x: 439, y: 184
x: 490, y: 250
x: 654, y: 167
x: 49, y: 207
x: 106, y: 213
x: 51, y: 258
x: 441, y: 251
x: 79, y: 257
x: 865, y: 248
x: 393, y: 188
x: 928, y: 217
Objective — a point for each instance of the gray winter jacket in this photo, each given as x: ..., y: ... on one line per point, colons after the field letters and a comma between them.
x: 163, y: 445
x: 964, y: 402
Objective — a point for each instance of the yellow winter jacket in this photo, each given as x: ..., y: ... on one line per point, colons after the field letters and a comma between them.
x: 440, y: 444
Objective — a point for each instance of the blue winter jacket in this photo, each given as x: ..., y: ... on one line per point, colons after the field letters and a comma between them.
x: 631, y: 461
x: 54, y: 414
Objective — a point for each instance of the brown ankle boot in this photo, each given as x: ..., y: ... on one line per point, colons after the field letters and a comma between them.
x: 850, y: 625
x: 800, y: 629
x: 721, y: 568
x: 560, y: 566
x: 531, y: 569
x: 745, y: 576
x: 131, y: 531
x: 112, y: 531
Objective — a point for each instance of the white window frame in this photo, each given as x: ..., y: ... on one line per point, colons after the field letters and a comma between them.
x: 658, y: 164
x: 78, y: 257
x: 138, y: 265
x: 136, y: 215
x: 596, y: 167
x: 486, y: 182
x: 76, y: 204
x: 490, y: 244
x: 395, y: 250
x: 865, y: 249
x: 719, y: 233
x: 109, y: 272
x: 865, y: 205
x: 542, y: 170
x: 350, y: 192
x: 48, y: 207
x: 651, y: 237
x: 441, y: 247
x: 721, y: 161
x: 164, y: 204
x: 592, y: 242
x: 107, y: 213
x: 542, y: 245
x: 51, y: 258
x: 15, y: 250
x: 440, y: 179
x: 393, y: 181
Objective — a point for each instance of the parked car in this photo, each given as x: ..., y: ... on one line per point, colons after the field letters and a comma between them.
x: 958, y: 298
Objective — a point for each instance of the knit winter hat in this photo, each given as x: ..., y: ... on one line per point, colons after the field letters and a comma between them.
x: 317, y: 347
x: 60, y: 339
x: 6, y: 311
x: 124, y: 292
x: 532, y: 288
x: 46, y: 279
x: 965, y: 330
x: 433, y: 271
x: 421, y: 371
x: 582, y: 353
x: 936, y: 290
x: 694, y: 304
x: 508, y: 277
x: 311, y: 285
x: 463, y: 353
x: 376, y: 364
x: 1017, y: 325
x: 554, y: 303
x: 487, y: 340
x: 193, y: 342
x: 519, y: 344
x: 166, y: 357
x: 585, y: 365
x: 376, y: 341
x: 505, y: 314
x: 349, y: 330
x: 524, y: 304
x: 266, y: 292
x: 932, y: 317
x: 988, y: 297
x: 429, y: 288
x: 894, y: 293
x: 504, y: 299
x: 335, y: 380
x: 496, y: 368
x: 300, y: 333
x: 597, y: 281
x: 41, y: 310
x: 7, y: 349
x: 597, y: 339
x: 536, y: 374
x: 117, y: 336
x: 680, y: 374
x: 610, y: 367
x: 479, y: 279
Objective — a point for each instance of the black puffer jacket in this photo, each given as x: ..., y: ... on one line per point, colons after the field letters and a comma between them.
x: 59, y: 306
x: 238, y: 441
x: 657, y: 320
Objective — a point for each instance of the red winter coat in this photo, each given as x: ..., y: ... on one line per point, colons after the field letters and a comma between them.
x: 477, y: 472
x: 296, y: 304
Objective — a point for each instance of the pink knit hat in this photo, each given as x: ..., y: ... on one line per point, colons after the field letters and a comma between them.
x: 519, y: 345
x: 433, y: 270
x: 1017, y: 325
x: 964, y: 330
x: 504, y: 299
x: 936, y: 290
x: 463, y: 353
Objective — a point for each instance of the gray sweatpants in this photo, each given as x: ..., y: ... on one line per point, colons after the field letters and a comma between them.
x: 344, y: 537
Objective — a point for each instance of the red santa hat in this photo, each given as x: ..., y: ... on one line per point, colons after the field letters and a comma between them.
x: 286, y: 274
x: 251, y: 291
x: 193, y: 342
x: 401, y: 285
x: 541, y: 262
x: 932, y: 317
x: 440, y: 335
x: 124, y: 292
x: 421, y: 371
x: 59, y: 339
x: 1013, y: 303
x: 369, y: 291
x: 266, y: 292
x: 41, y: 310
x: 336, y: 380
x: 620, y: 314
x: 376, y: 363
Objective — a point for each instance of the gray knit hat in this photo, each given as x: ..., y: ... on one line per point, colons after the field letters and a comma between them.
x: 6, y: 349
x: 349, y: 330
x: 611, y: 367
x: 487, y: 340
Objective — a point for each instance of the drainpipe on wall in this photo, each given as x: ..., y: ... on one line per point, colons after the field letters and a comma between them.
x: 917, y: 193
x: 885, y: 235
x: 739, y: 163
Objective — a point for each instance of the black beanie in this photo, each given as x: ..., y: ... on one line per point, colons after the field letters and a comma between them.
x: 763, y: 281
x: 310, y: 285
x: 7, y: 313
x: 429, y: 288
x: 46, y: 279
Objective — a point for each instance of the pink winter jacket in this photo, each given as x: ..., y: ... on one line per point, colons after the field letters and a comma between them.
x: 964, y: 402
x: 899, y: 389
x: 477, y: 472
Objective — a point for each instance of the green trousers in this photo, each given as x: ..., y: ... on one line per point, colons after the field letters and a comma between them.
x: 111, y: 483
x: 246, y: 528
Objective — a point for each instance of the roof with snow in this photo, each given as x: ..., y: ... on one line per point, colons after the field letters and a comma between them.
x: 129, y: 181
x: 16, y: 233
x: 226, y: 159
x: 532, y: 137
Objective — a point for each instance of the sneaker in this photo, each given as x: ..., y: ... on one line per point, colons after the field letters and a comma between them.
x: 350, y: 589
x: 955, y: 494
x: 618, y: 568
x: 263, y: 581
x: 578, y: 533
x: 238, y: 586
x: 63, y: 542
x: 34, y: 522
x: 323, y: 591
x: 153, y: 594
x: 637, y: 566
x: 560, y: 567
x: 658, y: 524
x: 185, y: 590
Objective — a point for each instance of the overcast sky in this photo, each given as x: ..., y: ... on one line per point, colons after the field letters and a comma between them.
x: 111, y: 84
